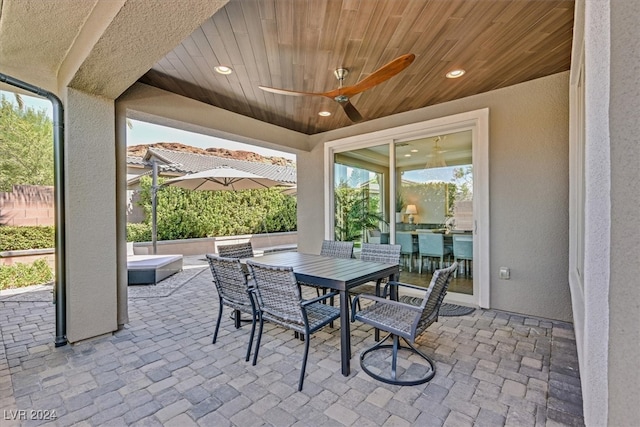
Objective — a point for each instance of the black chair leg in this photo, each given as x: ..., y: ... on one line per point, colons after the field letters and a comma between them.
x: 304, y: 364
x: 215, y: 334
x: 255, y: 355
x: 253, y: 331
x: 394, y: 357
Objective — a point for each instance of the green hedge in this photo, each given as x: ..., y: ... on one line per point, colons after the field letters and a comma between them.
x: 28, y: 237
x: 138, y: 232
x: 20, y: 275
x: 184, y: 214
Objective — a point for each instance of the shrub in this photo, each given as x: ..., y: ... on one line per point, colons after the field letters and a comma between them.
x: 27, y: 237
x: 185, y: 214
x: 20, y: 275
x: 138, y: 232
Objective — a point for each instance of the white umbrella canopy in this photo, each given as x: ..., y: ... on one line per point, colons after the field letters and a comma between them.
x: 222, y: 178
x: 290, y: 191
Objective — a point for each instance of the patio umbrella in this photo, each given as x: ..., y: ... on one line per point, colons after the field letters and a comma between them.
x: 216, y: 179
x: 290, y: 191
x: 222, y: 178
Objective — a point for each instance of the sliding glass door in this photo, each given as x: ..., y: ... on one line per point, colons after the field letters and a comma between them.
x: 418, y: 183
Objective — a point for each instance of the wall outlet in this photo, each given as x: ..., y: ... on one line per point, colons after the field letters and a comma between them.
x: 505, y: 273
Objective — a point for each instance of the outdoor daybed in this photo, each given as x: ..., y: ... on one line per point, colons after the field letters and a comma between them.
x: 150, y: 269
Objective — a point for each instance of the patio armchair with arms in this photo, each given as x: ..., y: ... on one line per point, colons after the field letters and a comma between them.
x: 402, y: 320
x: 279, y: 301
x: 234, y: 291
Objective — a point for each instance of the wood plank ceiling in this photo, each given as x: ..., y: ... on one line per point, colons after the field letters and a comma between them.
x: 297, y: 44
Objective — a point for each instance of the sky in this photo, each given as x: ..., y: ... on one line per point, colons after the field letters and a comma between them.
x: 147, y: 133
x: 143, y: 133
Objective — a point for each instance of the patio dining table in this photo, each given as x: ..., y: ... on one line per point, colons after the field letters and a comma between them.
x: 338, y: 274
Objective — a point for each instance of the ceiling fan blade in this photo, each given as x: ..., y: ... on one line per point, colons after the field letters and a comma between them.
x: 288, y: 92
x: 380, y: 75
x: 351, y: 112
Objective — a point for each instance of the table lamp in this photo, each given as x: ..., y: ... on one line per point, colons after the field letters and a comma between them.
x: 411, y: 210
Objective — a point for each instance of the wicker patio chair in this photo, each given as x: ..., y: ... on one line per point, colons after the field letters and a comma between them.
x: 279, y: 301
x: 234, y: 291
x: 336, y: 249
x: 387, y: 254
x: 237, y: 250
x: 401, y: 320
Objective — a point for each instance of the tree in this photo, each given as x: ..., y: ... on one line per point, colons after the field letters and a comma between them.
x: 463, y: 177
x: 26, y: 145
x: 356, y: 211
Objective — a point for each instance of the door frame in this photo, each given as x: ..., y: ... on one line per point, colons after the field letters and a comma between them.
x: 478, y: 122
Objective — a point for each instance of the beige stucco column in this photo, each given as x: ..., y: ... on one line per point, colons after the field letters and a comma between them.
x: 90, y: 190
x: 116, y: 44
x: 624, y: 292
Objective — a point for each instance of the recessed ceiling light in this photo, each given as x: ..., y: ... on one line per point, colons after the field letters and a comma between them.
x: 454, y: 74
x: 414, y: 151
x: 223, y: 69
x: 324, y: 113
x: 407, y: 155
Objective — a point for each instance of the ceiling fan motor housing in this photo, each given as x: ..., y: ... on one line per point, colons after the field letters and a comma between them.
x: 340, y: 73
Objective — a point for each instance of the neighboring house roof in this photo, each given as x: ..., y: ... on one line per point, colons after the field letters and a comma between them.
x: 182, y: 163
x: 135, y: 160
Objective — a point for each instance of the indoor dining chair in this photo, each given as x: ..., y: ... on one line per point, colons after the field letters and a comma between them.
x: 431, y: 245
x: 463, y: 251
x: 408, y: 246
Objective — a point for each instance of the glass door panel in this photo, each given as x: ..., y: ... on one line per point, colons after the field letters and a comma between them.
x: 434, y: 182
x: 361, y: 195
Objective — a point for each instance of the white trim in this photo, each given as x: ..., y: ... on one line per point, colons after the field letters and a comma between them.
x: 576, y: 188
x: 478, y: 122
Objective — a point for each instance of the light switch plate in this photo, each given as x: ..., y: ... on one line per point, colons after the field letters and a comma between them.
x: 505, y: 273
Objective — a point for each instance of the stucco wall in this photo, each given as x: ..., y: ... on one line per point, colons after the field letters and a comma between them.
x: 90, y: 206
x: 624, y: 292
x: 529, y: 186
x: 310, y: 198
x: 528, y: 164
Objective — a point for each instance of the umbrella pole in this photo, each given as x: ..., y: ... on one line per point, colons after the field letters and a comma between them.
x: 154, y: 207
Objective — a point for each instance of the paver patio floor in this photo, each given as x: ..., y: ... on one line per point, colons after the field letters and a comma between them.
x: 493, y: 368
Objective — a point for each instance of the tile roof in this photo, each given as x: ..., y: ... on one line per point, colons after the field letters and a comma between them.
x: 181, y: 162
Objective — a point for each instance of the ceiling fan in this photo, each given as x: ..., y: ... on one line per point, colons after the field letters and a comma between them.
x: 343, y: 93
